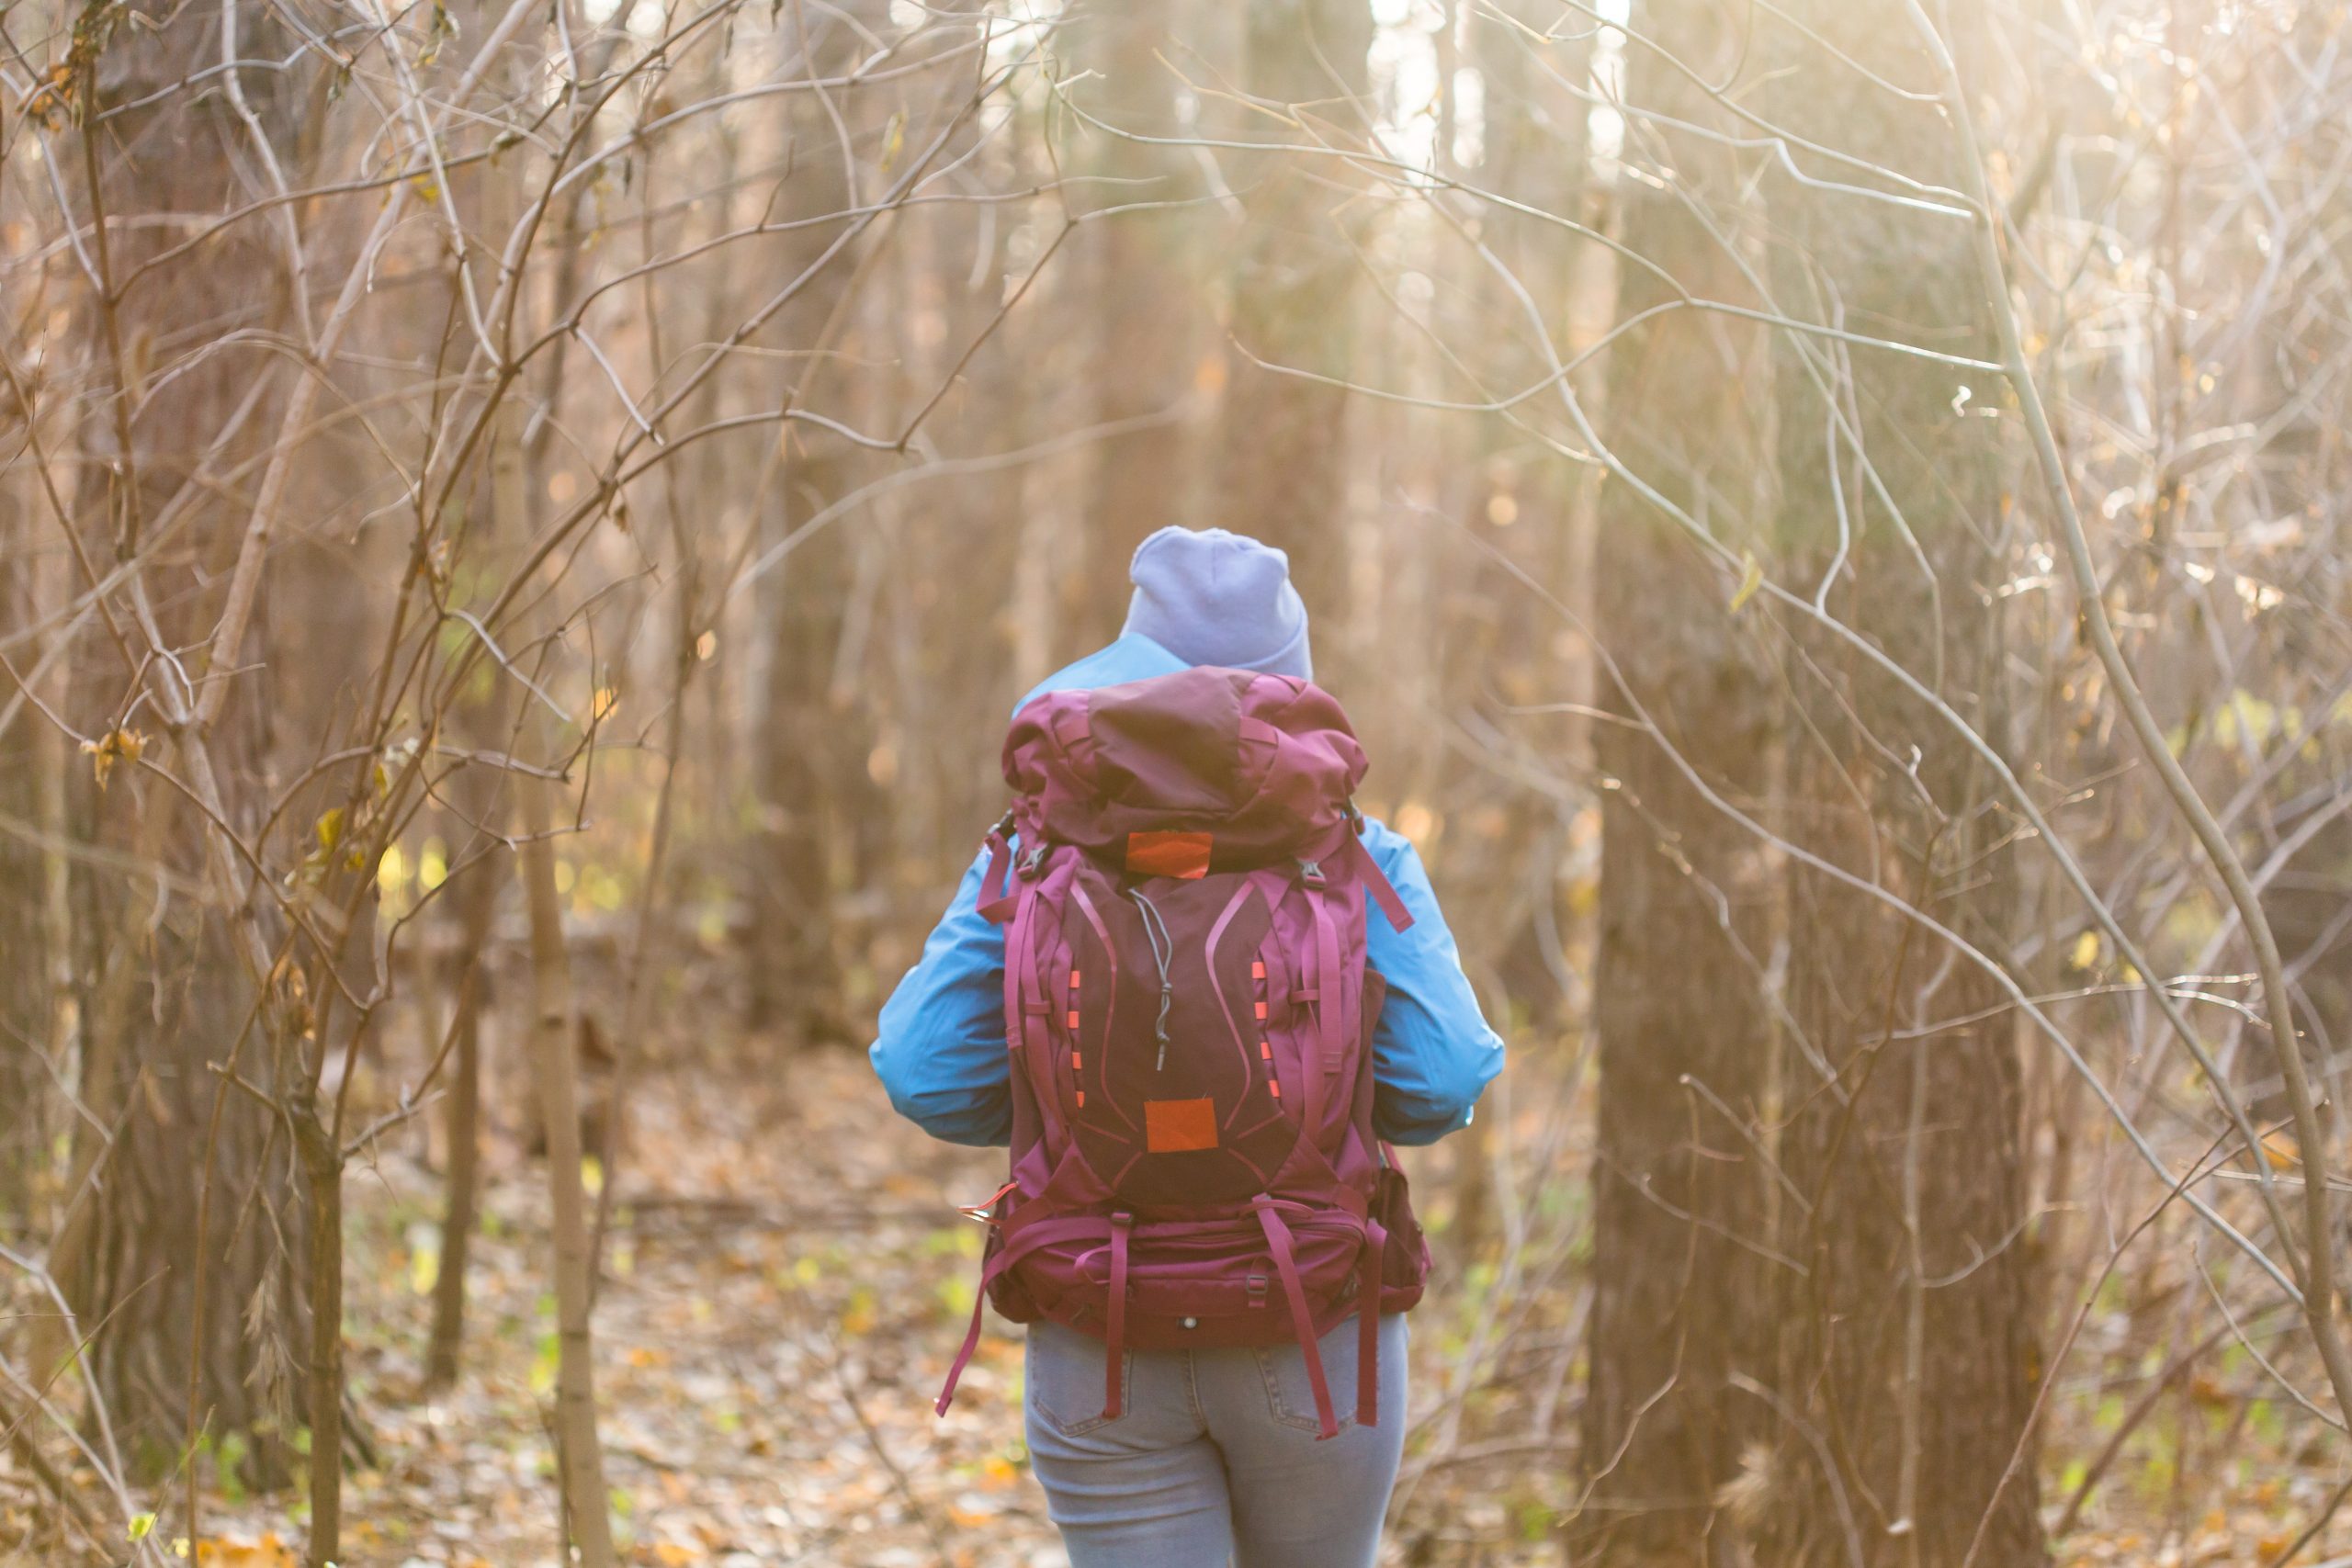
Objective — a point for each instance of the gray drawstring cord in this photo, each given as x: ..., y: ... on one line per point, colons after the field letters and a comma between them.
x: 1163, y: 953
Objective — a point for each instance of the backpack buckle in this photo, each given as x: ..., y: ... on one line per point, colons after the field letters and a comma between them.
x: 1257, y: 1288
x: 1311, y: 872
x: 1033, y: 860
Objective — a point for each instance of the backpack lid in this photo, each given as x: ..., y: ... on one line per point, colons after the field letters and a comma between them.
x: 1261, y: 766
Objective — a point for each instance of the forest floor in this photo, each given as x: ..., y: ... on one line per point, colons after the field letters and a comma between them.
x: 785, y: 1281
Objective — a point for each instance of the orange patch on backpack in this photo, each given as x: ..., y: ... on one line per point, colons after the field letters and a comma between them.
x: 1185, y: 855
x: 1172, y: 1126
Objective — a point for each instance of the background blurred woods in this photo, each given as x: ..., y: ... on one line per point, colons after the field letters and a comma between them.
x: 1739, y: 457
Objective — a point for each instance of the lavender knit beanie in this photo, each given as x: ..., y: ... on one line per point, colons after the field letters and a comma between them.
x: 1212, y: 597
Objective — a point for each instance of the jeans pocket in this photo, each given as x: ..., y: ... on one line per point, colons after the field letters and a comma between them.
x: 1064, y: 1378
x: 1289, y: 1392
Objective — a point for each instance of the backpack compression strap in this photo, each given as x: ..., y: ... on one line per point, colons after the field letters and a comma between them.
x: 1375, y: 1247
x: 1114, y: 1339
x: 1302, y: 1321
x: 1010, y: 1251
x: 1327, y: 972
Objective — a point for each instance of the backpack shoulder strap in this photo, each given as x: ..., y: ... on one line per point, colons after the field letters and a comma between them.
x: 1375, y: 882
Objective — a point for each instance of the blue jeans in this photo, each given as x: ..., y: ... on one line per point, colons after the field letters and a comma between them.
x: 1214, y: 1459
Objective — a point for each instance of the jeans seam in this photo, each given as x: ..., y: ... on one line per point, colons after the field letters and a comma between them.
x: 1275, y: 1405
x: 1080, y: 1427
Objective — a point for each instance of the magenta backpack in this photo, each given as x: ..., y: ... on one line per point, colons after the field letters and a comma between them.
x: 1190, y: 1021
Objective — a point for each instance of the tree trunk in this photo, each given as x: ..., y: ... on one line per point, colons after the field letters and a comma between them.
x: 194, y: 1295
x: 1907, y: 1346
x: 322, y: 1168
x: 579, y: 1453
x: 1681, y: 1186
x: 1138, y: 269
x: 477, y: 901
x: 30, y: 779
x: 1285, y: 439
x: 509, y: 480
x: 1534, y: 513
x: 812, y: 747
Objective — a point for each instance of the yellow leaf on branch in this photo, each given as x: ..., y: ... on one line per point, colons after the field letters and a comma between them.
x: 115, y: 746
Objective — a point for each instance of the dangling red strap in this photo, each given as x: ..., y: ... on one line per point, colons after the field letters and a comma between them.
x: 964, y: 1356
x: 1011, y: 1249
x: 995, y: 906
x: 1302, y: 1321
x: 1375, y: 1247
x: 1115, y: 1339
x: 989, y: 1271
x: 1376, y: 884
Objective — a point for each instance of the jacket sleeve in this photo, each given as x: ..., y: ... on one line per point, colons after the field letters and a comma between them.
x: 940, y: 1047
x: 1433, y: 1051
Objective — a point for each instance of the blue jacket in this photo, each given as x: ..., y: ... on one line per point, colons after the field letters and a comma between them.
x: 942, y: 1052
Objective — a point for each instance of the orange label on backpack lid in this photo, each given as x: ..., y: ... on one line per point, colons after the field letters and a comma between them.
x: 1185, y: 855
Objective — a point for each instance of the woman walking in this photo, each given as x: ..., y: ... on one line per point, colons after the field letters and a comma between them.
x: 1199, y: 996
